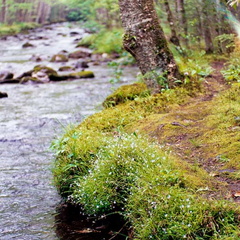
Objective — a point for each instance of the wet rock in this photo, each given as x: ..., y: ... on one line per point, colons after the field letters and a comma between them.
x: 25, y: 74
x: 76, y: 40
x: 79, y: 54
x: 65, y: 69
x: 57, y: 77
x: 27, y: 45
x: 35, y: 58
x: 82, y: 65
x: 59, y: 58
x: 5, y: 75
x: 3, y: 95
x: 74, y: 33
x: 10, y: 81
x: 63, y: 52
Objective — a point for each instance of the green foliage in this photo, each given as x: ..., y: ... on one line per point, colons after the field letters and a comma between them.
x: 226, y: 42
x: 105, y: 41
x: 195, y: 67
x: 173, y: 213
x: 105, y: 168
x: 127, y: 173
x: 74, y: 15
x: 16, y: 28
x: 231, y: 71
x: 118, y: 66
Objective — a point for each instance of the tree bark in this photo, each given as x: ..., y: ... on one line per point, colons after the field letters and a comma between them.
x: 3, y: 11
x: 145, y: 40
x: 183, y: 20
x: 174, y: 38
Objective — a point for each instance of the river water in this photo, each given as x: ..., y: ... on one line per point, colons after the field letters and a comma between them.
x: 30, y: 118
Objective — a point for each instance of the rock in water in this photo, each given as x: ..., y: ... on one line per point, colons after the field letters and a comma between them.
x: 3, y: 95
x: 79, y: 54
x: 27, y: 45
x: 5, y: 75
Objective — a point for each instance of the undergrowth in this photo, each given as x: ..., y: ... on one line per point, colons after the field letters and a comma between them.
x: 105, y: 41
x: 16, y: 28
x: 107, y: 165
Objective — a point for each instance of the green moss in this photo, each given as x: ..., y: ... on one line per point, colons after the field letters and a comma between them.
x: 222, y: 133
x: 108, y: 164
x: 125, y: 93
x: 82, y: 74
x: 45, y: 69
x: 65, y: 68
x: 32, y: 79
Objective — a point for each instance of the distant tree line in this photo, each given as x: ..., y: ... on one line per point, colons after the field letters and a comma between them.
x: 185, y: 22
x: 38, y: 11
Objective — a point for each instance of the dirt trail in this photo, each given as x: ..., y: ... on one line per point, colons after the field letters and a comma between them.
x: 181, y: 129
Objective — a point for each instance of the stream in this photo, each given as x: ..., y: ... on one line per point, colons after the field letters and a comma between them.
x: 30, y: 118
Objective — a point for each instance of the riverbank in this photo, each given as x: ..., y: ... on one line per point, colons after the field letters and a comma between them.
x: 167, y: 163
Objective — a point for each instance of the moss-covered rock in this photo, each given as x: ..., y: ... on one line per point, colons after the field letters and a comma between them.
x: 59, y: 58
x: 45, y: 69
x: 125, y: 93
x: 82, y: 74
x: 30, y: 80
x: 65, y: 69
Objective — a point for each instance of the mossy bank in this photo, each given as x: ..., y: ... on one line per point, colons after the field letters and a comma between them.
x: 124, y: 159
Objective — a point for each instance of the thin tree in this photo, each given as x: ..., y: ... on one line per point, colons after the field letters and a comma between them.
x: 145, y: 40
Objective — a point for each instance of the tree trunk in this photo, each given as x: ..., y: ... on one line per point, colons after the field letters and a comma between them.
x: 174, y: 38
x: 183, y: 20
x: 145, y: 40
x: 3, y: 11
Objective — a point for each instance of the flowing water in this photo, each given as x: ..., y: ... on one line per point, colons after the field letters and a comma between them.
x: 30, y: 118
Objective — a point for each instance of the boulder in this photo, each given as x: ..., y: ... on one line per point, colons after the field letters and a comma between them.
x: 5, y: 75
x: 79, y: 54
x: 27, y: 45
x: 43, y: 73
x: 59, y: 58
x: 3, y: 95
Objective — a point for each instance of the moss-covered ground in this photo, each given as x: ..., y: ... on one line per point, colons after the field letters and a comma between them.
x: 168, y: 163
